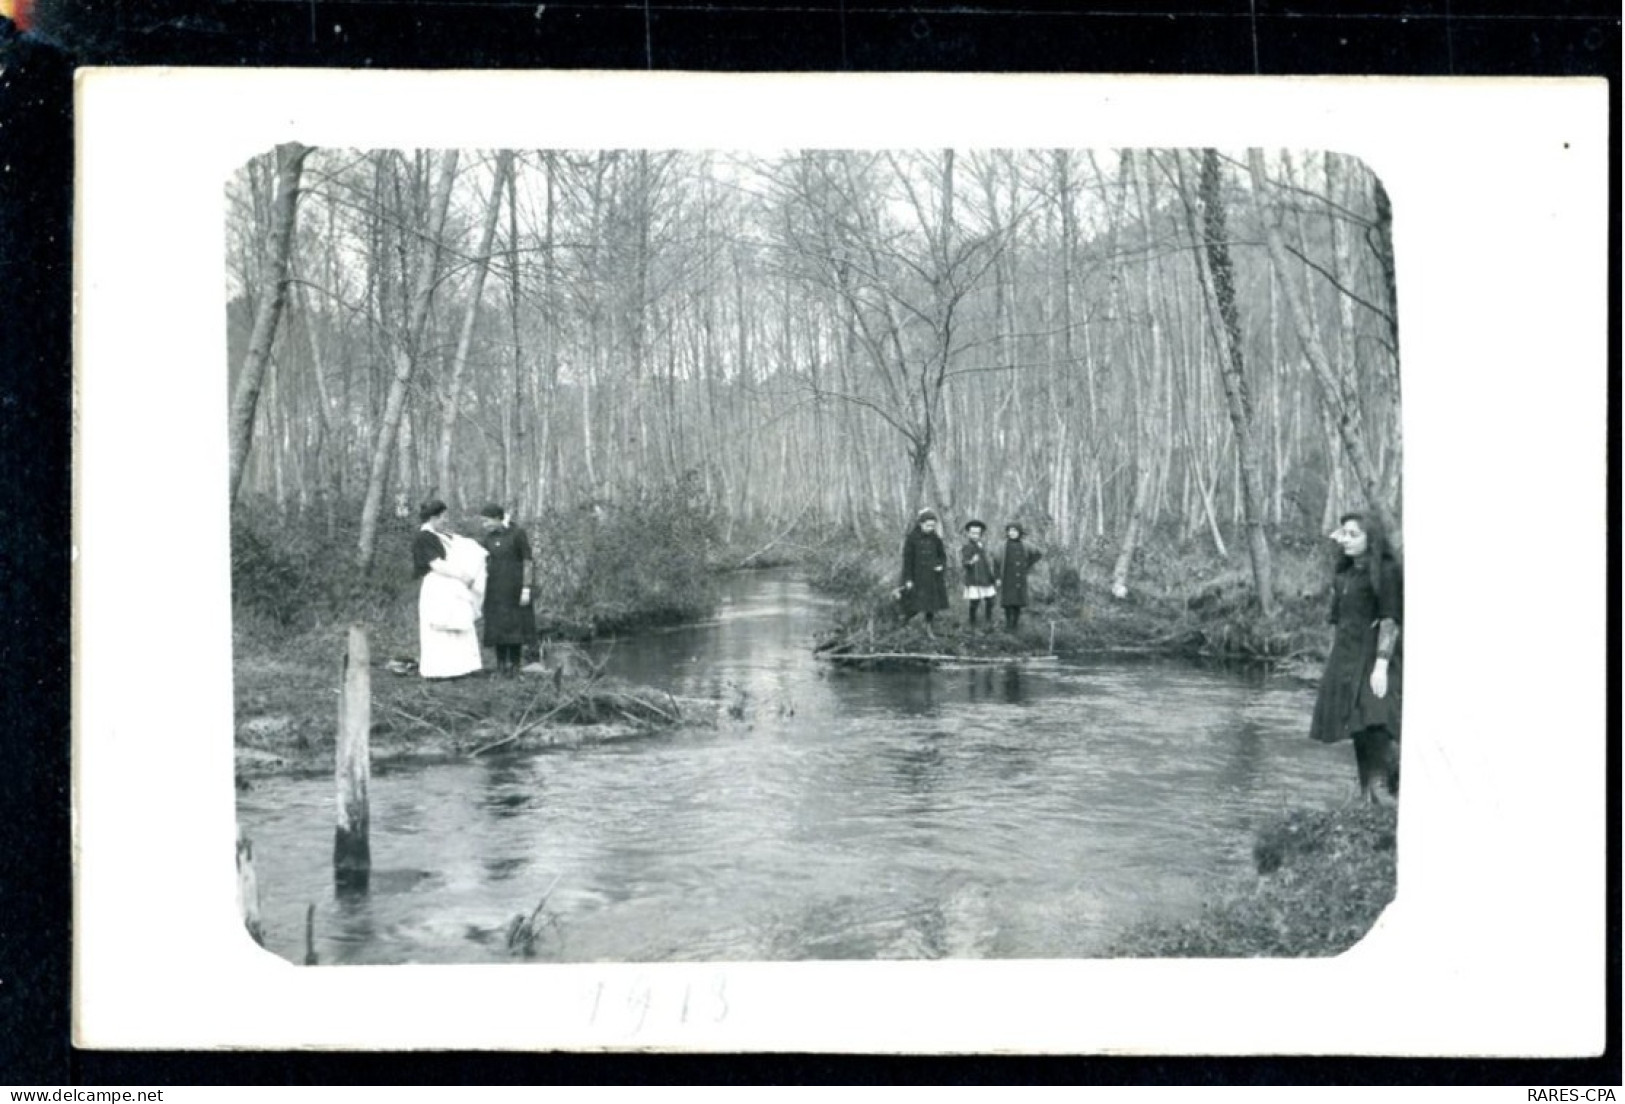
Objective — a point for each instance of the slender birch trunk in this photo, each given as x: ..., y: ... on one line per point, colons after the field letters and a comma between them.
x: 1336, y: 393
x: 405, y: 354
x: 465, y: 336
x: 290, y: 158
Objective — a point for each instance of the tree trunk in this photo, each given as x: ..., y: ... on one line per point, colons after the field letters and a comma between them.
x: 1232, y: 371
x: 1131, y: 535
x: 919, y: 464
x: 465, y: 338
x: 1384, y: 249
x: 513, y: 493
x: 273, y: 294
x: 1338, y: 394
x: 406, y: 352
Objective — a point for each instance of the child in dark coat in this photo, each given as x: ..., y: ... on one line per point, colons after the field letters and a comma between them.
x: 1011, y: 569
x: 924, y: 585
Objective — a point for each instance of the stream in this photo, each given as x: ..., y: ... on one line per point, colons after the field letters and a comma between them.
x: 981, y: 812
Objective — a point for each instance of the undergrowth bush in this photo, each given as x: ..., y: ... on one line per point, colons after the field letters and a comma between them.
x: 293, y: 571
x: 850, y: 569
x: 641, y: 559
x: 609, y: 564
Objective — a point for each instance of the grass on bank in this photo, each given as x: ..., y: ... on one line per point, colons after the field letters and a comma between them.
x: 1321, y: 879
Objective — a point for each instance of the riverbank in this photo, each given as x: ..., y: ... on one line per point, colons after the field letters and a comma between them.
x: 1186, y: 602
x: 1320, y: 880
x: 286, y: 697
x: 286, y: 678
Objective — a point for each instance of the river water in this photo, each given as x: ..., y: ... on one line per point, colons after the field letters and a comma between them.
x: 992, y: 812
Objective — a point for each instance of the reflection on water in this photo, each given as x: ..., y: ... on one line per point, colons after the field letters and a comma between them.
x: 981, y: 812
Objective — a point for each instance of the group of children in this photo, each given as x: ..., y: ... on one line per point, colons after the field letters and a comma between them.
x: 923, y: 587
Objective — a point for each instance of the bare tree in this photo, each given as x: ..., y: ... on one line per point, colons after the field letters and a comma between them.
x: 405, y: 353
x: 902, y: 289
x: 482, y: 264
x: 290, y: 160
x: 1337, y: 391
x: 1219, y: 277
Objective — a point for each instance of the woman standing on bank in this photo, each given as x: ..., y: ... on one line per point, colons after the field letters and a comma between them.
x: 507, y: 587
x: 1360, y: 689
x: 452, y: 571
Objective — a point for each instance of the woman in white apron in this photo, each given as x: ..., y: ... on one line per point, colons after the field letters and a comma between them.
x: 453, y: 572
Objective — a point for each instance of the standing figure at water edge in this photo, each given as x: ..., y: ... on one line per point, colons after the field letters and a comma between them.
x: 453, y: 572
x: 507, y: 587
x: 978, y: 566
x: 1360, y: 690
x: 924, y: 585
x: 1011, y: 569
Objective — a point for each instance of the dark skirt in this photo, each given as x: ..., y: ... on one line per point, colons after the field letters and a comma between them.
x: 1346, y: 704
x: 928, y: 595
x: 505, y: 622
x: 504, y: 616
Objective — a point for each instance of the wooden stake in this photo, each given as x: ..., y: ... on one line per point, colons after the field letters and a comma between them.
x: 248, y: 889
x: 310, y: 935
x: 352, y: 854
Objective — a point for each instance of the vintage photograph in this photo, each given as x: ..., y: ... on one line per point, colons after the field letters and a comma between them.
x: 650, y: 555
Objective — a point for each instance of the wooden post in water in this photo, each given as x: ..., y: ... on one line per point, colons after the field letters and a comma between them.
x: 248, y: 889
x: 352, y: 855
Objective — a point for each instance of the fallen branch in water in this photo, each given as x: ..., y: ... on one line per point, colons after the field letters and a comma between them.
x: 523, y: 729
x: 590, y: 696
x: 415, y: 718
x: 655, y: 709
x: 932, y: 657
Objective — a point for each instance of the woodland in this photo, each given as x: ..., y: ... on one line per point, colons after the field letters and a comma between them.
x: 1172, y: 366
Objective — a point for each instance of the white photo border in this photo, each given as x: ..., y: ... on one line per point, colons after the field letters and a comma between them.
x: 1495, y: 946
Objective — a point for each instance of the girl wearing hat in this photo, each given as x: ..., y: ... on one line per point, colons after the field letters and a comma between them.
x: 507, y: 590
x: 452, y: 570
x: 924, y: 585
x: 978, y: 565
x: 1010, y: 572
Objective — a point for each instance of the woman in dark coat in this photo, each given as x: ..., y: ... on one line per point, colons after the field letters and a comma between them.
x: 1359, y: 695
x: 1011, y: 569
x: 507, y: 587
x: 924, y: 585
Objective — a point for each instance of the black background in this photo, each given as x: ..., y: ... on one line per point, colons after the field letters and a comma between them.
x: 1379, y: 37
